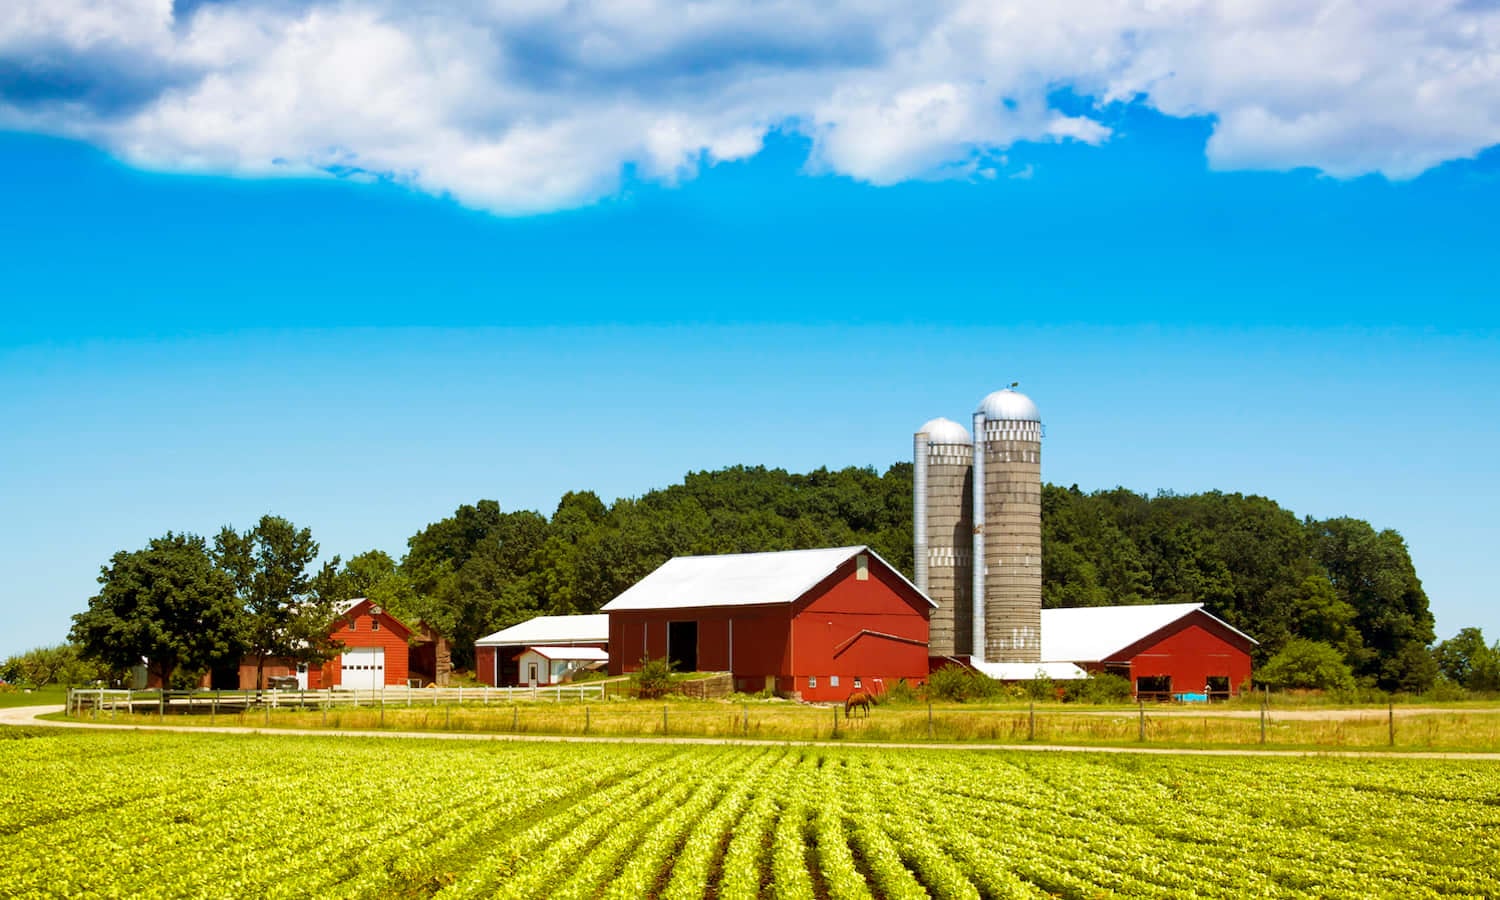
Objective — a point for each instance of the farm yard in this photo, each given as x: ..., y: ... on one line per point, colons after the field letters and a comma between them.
x: 144, y: 814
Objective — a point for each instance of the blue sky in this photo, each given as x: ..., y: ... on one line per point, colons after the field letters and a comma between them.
x: 204, y: 324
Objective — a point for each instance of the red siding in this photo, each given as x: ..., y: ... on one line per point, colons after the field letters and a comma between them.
x: 1191, y: 651
x: 391, y: 635
x: 874, y: 629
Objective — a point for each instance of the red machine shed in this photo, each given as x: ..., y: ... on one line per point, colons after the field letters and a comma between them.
x: 812, y: 623
x: 1166, y: 650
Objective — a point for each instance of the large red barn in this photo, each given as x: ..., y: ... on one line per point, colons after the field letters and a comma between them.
x: 810, y: 623
x: 1165, y: 649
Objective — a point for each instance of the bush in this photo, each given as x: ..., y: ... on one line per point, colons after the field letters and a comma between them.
x: 958, y: 684
x: 1101, y: 688
x: 654, y: 678
x: 900, y: 692
x: 1307, y: 664
x: 1039, y: 688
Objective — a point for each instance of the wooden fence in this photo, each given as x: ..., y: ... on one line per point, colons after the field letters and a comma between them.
x: 94, y: 701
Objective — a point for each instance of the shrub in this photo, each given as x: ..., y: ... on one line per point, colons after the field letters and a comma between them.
x: 654, y: 678
x: 1039, y: 688
x: 900, y: 692
x: 959, y: 684
x: 1101, y: 687
x: 1307, y: 664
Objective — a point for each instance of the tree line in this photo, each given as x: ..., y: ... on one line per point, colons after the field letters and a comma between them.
x: 1336, y: 588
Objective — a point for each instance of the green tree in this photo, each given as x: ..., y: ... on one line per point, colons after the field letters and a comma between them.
x: 58, y: 664
x: 1306, y: 664
x: 1466, y: 660
x: 1373, y: 573
x: 166, y: 605
x: 281, y: 614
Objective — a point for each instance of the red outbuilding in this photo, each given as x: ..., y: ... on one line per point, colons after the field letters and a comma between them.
x: 816, y: 624
x: 378, y: 650
x: 1166, y: 650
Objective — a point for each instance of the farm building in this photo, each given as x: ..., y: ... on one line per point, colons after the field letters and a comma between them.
x: 1166, y: 649
x: 553, y: 665
x: 810, y: 623
x: 496, y: 656
x: 379, y: 650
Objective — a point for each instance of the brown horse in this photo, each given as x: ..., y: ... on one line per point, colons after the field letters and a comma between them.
x: 860, y: 699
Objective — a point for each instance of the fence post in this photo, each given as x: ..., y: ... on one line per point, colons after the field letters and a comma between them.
x: 1262, y: 722
x: 663, y: 718
x: 1391, y: 720
x: 161, y: 705
x: 515, y: 717
x: 835, y: 721
x: 1141, y: 736
x: 1031, y: 722
x: 745, y: 729
x: 585, y: 718
x: 929, y: 718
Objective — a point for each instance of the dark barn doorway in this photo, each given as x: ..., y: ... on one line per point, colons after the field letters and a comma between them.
x: 682, y: 645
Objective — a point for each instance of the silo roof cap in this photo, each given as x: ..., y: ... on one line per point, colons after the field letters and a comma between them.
x: 1009, y: 404
x: 945, y: 431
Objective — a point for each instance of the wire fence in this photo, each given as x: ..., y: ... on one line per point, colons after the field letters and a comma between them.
x: 584, y: 709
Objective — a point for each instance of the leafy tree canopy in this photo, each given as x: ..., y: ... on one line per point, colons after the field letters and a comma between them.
x: 167, y: 605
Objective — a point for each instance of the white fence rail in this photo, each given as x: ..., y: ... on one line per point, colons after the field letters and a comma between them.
x: 100, y: 700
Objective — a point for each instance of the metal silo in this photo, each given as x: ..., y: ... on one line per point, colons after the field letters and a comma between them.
x: 1007, y: 576
x: 942, y: 476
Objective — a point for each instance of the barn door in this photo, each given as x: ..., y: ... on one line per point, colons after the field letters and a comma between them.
x: 682, y: 645
x: 363, y: 668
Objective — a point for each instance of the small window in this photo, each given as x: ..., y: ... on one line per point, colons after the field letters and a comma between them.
x: 856, y: 682
x: 374, y: 624
x: 812, y: 681
x: 833, y: 681
x: 862, y: 567
x: 353, y: 624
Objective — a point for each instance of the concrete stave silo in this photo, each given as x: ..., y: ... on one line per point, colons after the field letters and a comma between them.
x: 942, y: 531
x: 1007, y: 548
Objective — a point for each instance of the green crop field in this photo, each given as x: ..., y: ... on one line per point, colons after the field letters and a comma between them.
x: 139, y: 814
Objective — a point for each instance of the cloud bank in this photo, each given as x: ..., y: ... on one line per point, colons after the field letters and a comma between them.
x: 522, y: 106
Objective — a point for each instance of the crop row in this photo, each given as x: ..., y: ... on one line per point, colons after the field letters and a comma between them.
x: 168, y: 815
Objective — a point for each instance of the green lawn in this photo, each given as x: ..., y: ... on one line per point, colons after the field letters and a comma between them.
x: 38, y: 697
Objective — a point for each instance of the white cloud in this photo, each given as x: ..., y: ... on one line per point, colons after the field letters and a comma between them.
x: 521, y: 107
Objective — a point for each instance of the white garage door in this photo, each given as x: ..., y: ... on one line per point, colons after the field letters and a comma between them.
x: 364, y: 668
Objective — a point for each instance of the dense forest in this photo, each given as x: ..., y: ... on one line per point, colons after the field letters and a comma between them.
x: 1338, y: 582
x: 1333, y: 602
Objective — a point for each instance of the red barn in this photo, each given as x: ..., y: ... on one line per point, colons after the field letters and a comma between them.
x: 1166, y: 649
x: 378, y: 650
x: 810, y: 623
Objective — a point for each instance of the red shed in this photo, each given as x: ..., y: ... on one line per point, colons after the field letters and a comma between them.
x: 811, y: 623
x: 1165, y: 649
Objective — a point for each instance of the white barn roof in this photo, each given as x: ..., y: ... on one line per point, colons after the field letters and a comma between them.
x: 1095, y: 633
x: 554, y: 630
x: 739, y: 579
x: 1057, y: 671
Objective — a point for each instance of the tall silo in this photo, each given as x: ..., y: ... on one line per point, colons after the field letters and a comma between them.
x: 1007, y: 575
x: 943, y: 523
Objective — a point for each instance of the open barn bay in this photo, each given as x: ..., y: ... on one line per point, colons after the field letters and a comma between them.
x: 151, y: 814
